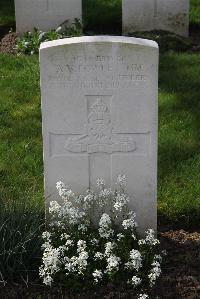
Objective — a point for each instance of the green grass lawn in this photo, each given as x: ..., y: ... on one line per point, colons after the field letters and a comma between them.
x: 20, y: 130
x: 179, y: 131
x: 195, y: 12
x: 21, y: 169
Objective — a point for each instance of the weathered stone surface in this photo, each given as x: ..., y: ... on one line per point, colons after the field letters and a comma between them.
x: 99, y: 108
x: 147, y: 15
x: 45, y: 14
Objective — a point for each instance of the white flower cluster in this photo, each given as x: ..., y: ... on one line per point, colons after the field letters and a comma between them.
x: 143, y: 296
x: 135, y: 260
x: 64, y: 191
x: 156, y: 270
x: 135, y: 281
x: 120, y: 236
x: 105, y: 230
x: 94, y: 241
x: 109, y: 247
x: 46, y: 236
x: 73, y: 214
x: 100, y: 183
x: 77, y: 264
x: 67, y: 211
x: 120, y: 201
x: 94, y: 235
x: 113, y: 261
x: 98, y: 256
x: 97, y: 274
x: 54, y: 207
x: 88, y: 200
x: 105, y: 193
x: 67, y: 241
x: 51, y: 262
x: 121, y: 180
x: 150, y: 239
x: 130, y: 223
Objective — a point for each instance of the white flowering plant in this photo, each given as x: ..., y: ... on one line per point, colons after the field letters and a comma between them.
x: 92, y: 240
x: 29, y: 42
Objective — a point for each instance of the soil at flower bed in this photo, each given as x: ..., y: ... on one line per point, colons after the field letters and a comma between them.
x: 7, y: 44
x: 180, y: 278
x: 181, y: 272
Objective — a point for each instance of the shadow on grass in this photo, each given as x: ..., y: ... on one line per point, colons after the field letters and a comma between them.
x: 7, y: 16
x: 180, y: 80
x: 20, y: 247
x: 102, y: 16
x: 179, y: 143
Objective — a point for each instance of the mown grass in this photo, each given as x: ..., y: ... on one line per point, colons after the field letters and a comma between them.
x: 20, y: 130
x: 195, y: 12
x: 21, y: 169
x: 179, y: 131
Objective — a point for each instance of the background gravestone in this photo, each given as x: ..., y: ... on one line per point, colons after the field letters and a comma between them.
x: 99, y: 109
x: 45, y: 14
x: 147, y: 15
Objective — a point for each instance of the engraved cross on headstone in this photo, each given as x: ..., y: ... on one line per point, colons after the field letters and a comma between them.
x: 155, y: 8
x: 100, y: 141
x: 155, y: 15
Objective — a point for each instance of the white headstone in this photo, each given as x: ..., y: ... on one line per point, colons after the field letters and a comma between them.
x: 147, y: 15
x: 99, y: 109
x: 45, y: 14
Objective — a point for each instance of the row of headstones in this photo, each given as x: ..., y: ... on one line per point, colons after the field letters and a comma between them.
x: 138, y: 15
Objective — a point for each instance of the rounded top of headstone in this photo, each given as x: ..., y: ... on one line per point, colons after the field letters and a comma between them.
x: 99, y: 39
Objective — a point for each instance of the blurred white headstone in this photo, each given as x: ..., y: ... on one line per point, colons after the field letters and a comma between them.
x: 45, y: 14
x: 147, y: 15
